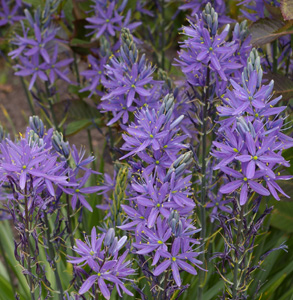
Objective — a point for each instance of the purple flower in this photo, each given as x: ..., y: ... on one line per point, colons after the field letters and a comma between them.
x: 137, y: 217
x: 259, y: 156
x: 155, y: 199
x: 130, y: 84
x: 218, y: 203
x: 105, y: 22
x: 55, y: 66
x: 79, y: 190
x: 244, y: 182
x: 39, y: 44
x: 20, y: 161
x: 95, y: 74
x: 33, y: 68
x: 156, y: 239
x: 9, y: 16
x: 229, y: 149
x: 177, y: 261
x: 148, y: 131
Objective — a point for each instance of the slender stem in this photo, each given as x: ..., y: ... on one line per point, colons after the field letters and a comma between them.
x: 69, y: 224
x: 203, y: 185
x: 76, y: 68
x: 28, y: 97
x: 275, y: 56
x: 50, y: 101
x: 163, y: 34
x: 236, y: 262
x: 28, y: 246
x: 52, y: 256
x: 91, y: 147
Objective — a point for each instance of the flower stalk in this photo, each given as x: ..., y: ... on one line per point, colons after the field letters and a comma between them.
x: 27, y: 230
x: 237, y: 256
x: 52, y: 257
x: 203, y: 172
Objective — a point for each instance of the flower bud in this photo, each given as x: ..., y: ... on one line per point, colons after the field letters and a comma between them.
x: 2, y: 134
x: 113, y: 247
x: 59, y: 145
x: 34, y: 139
x: 210, y: 18
x: 109, y: 238
x: 176, y: 122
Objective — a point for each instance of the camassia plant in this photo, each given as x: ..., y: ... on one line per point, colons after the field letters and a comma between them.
x: 198, y: 147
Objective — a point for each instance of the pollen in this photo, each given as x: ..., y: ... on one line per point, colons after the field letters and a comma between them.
x: 174, y: 258
x: 77, y: 190
x: 255, y: 157
x: 245, y: 179
x: 235, y: 150
x: 160, y: 242
x: 24, y: 167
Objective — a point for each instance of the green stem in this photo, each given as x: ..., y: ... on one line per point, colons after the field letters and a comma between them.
x: 50, y: 101
x: 203, y: 186
x: 91, y: 147
x: 28, y: 246
x: 28, y: 97
x: 237, y: 257
x: 52, y: 256
x: 76, y: 68
x: 163, y: 35
x: 275, y: 56
x: 69, y: 224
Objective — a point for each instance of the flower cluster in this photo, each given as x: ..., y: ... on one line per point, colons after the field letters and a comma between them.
x: 37, y: 49
x: 197, y: 5
x: 159, y: 195
x: 250, y: 145
x: 255, y: 10
x: 37, y: 163
x: 129, y: 82
x: 206, y: 47
x: 108, y: 18
x: 101, y: 254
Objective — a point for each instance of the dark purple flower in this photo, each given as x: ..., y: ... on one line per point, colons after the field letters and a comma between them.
x: 218, y: 203
x: 105, y: 22
x: 9, y: 16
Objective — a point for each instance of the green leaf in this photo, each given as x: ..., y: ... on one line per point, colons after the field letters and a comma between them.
x: 6, y: 237
x: 282, y: 216
x: 80, y: 34
x: 6, y: 290
x: 76, y: 126
x: 35, y: 3
x: 267, y: 30
x: 274, y: 11
x: 68, y: 11
x: 75, y: 110
x: 287, y: 9
x: 83, y: 44
x: 283, y: 85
